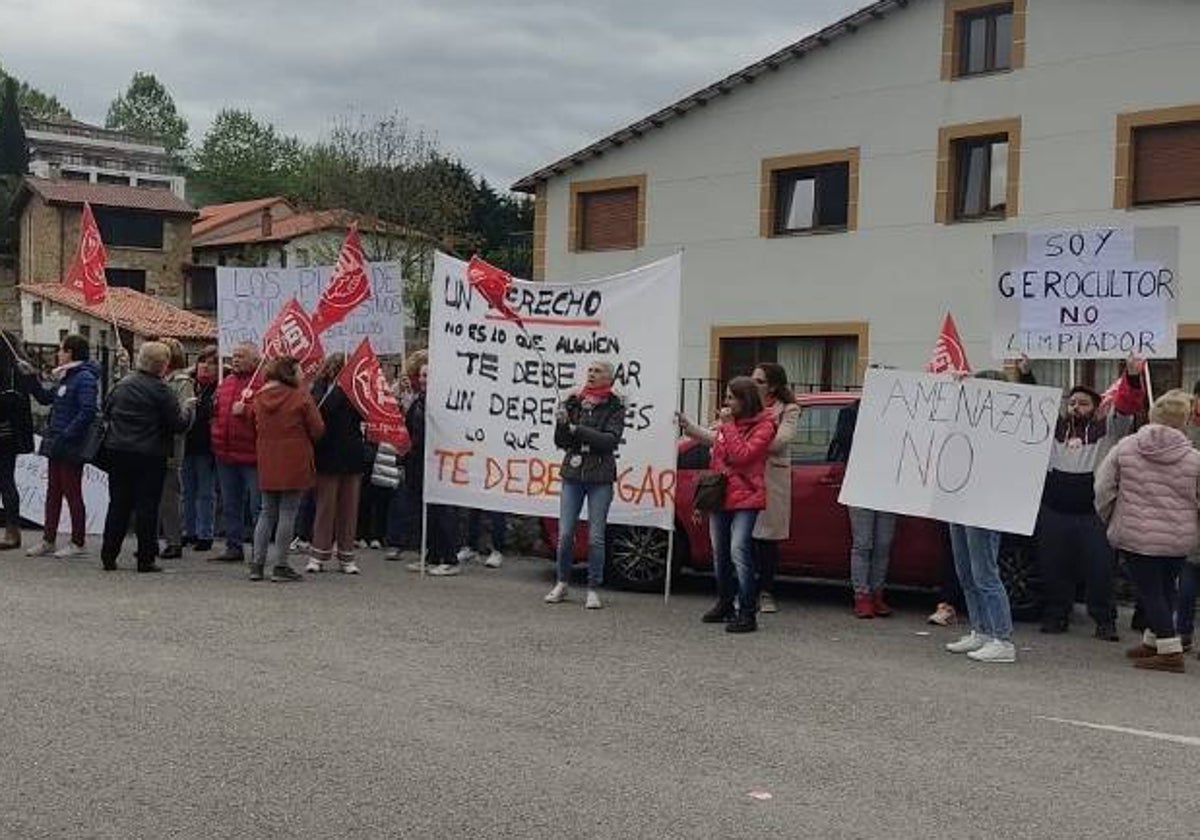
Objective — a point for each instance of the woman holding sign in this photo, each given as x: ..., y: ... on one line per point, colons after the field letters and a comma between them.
x: 741, y: 445
x: 590, y: 423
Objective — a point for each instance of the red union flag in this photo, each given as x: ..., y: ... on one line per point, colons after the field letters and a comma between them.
x: 348, y: 287
x: 493, y: 283
x: 86, y: 272
x: 949, y: 355
x: 291, y: 333
x: 365, y: 386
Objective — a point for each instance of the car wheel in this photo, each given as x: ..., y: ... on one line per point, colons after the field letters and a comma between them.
x: 1019, y: 572
x: 637, y: 557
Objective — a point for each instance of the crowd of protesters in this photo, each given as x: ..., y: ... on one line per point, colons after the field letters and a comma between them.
x: 292, y: 469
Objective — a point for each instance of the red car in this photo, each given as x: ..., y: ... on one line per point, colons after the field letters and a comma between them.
x: 819, y: 546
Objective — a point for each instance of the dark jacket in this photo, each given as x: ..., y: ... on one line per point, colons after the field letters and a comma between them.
x: 199, y: 436
x: 74, y: 401
x: 414, y: 461
x: 143, y: 416
x: 16, y: 415
x: 343, y: 450
x: 843, y: 435
x: 590, y: 453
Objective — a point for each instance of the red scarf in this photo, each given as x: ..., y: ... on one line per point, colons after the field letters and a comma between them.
x: 595, y: 395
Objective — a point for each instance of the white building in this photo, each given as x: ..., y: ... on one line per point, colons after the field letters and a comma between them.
x: 836, y: 198
x: 66, y: 149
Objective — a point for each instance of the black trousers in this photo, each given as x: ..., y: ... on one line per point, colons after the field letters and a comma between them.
x: 135, y: 485
x: 1156, y: 579
x: 1072, y: 546
x: 766, y: 564
x: 8, y: 490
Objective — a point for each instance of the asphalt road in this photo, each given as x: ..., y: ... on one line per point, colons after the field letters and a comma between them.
x: 196, y: 704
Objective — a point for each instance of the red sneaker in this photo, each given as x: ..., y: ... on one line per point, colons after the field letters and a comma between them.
x: 881, y: 608
x: 864, y: 606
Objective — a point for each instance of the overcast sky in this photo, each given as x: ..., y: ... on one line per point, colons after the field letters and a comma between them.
x: 505, y: 85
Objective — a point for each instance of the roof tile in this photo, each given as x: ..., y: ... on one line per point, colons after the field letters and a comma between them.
x: 139, y: 313
x: 110, y: 195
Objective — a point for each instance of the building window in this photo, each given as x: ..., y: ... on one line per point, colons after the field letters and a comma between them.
x: 154, y: 183
x: 1158, y: 157
x: 37, y: 313
x: 85, y: 330
x: 818, y: 357
x: 982, y: 36
x: 103, y: 178
x: 74, y: 175
x: 62, y: 335
x: 201, y: 289
x: 128, y: 278
x: 608, y: 215
x: 978, y: 171
x: 809, y: 193
x: 129, y: 228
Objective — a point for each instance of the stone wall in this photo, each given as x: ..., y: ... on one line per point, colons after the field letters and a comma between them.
x: 10, y: 308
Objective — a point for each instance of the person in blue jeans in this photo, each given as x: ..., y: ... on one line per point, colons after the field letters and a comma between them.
x: 977, y: 562
x: 588, y: 428
x: 234, y: 447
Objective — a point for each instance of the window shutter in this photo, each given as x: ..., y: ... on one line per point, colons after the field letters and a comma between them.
x: 610, y: 220
x: 1166, y: 163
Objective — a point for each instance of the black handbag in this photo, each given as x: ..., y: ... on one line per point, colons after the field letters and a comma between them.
x: 93, y: 439
x: 710, y: 491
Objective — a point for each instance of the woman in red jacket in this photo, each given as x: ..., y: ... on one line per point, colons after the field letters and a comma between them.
x: 740, y: 447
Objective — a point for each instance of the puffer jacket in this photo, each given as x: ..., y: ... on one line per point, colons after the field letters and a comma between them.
x: 233, y: 438
x: 590, y: 451
x: 75, y: 401
x: 740, y: 451
x: 1148, y: 491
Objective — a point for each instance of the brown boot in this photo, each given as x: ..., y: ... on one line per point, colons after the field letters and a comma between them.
x: 12, y: 539
x: 1148, y: 647
x: 1172, y: 662
x: 880, y: 606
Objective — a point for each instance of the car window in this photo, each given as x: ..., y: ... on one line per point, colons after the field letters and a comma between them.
x: 814, y: 433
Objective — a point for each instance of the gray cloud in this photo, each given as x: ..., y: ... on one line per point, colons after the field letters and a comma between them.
x: 505, y: 86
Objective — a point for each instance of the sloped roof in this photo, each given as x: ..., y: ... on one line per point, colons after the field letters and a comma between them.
x: 139, y: 313
x: 300, y: 224
x: 213, y: 216
x: 746, y: 76
x: 106, y: 195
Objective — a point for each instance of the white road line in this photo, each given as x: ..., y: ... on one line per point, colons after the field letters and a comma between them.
x: 1186, y: 740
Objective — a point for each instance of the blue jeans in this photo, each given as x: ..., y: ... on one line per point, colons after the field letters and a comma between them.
x: 599, y: 500
x: 199, y: 495
x: 1185, y: 610
x: 977, y: 563
x: 238, y: 481
x: 499, y: 525
x: 733, y: 555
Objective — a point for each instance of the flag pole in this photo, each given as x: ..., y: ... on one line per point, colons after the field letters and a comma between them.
x: 670, y: 557
x: 424, y: 531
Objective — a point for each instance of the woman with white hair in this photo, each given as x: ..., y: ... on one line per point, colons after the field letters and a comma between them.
x: 143, y: 417
x: 590, y: 423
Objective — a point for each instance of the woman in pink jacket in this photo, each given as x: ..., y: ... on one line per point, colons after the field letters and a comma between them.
x: 1148, y: 491
x: 740, y: 446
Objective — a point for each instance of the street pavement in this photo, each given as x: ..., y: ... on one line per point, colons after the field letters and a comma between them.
x: 194, y: 704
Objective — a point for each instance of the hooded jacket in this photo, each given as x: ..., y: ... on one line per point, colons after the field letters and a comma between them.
x: 75, y: 403
x: 740, y: 450
x: 286, y: 423
x: 1148, y: 491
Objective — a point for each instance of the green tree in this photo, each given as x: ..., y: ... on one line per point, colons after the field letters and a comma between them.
x: 241, y: 158
x: 34, y: 103
x: 147, y: 110
x: 14, y: 151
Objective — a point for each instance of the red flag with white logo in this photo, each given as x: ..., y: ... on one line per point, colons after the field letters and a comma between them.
x: 493, y: 284
x: 365, y: 386
x: 949, y: 354
x: 86, y: 272
x: 349, y: 286
x: 291, y: 333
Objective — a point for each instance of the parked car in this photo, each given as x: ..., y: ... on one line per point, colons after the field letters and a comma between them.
x: 819, y: 547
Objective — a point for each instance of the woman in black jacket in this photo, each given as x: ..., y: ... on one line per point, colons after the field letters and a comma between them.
x: 143, y: 417
x: 588, y: 427
x: 341, y: 460
x: 16, y: 433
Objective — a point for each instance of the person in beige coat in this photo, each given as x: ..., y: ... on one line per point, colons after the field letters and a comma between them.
x: 774, y: 524
x: 170, y: 510
x: 1148, y: 491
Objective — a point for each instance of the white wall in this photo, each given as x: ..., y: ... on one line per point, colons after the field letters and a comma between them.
x: 880, y: 90
x: 56, y: 318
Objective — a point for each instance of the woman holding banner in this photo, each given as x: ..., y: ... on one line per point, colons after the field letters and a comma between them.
x: 588, y: 428
x: 741, y: 445
x: 341, y: 462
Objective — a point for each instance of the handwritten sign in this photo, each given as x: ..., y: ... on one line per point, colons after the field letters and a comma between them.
x: 1093, y: 293
x: 32, y: 476
x: 494, y: 388
x: 248, y: 298
x: 973, y: 452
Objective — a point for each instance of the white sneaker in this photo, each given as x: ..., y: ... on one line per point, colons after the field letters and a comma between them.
x: 349, y: 567
x: 766, y: 603
x: 943, y: 616
x: 445, y: 570
x: 299, y: 546
x: 494, y: 560
x: 971, y: 642
x: 375, y: 544
x: 557, y: 595
x: 360, y: 543
x: 314, y: 566
x: 42, y: 549
x: 593, y: 600
x: 70, y: 550
x: 392, y: 554
x: 466, y: 555
x: 414, y: 566
x: 996, y: 650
